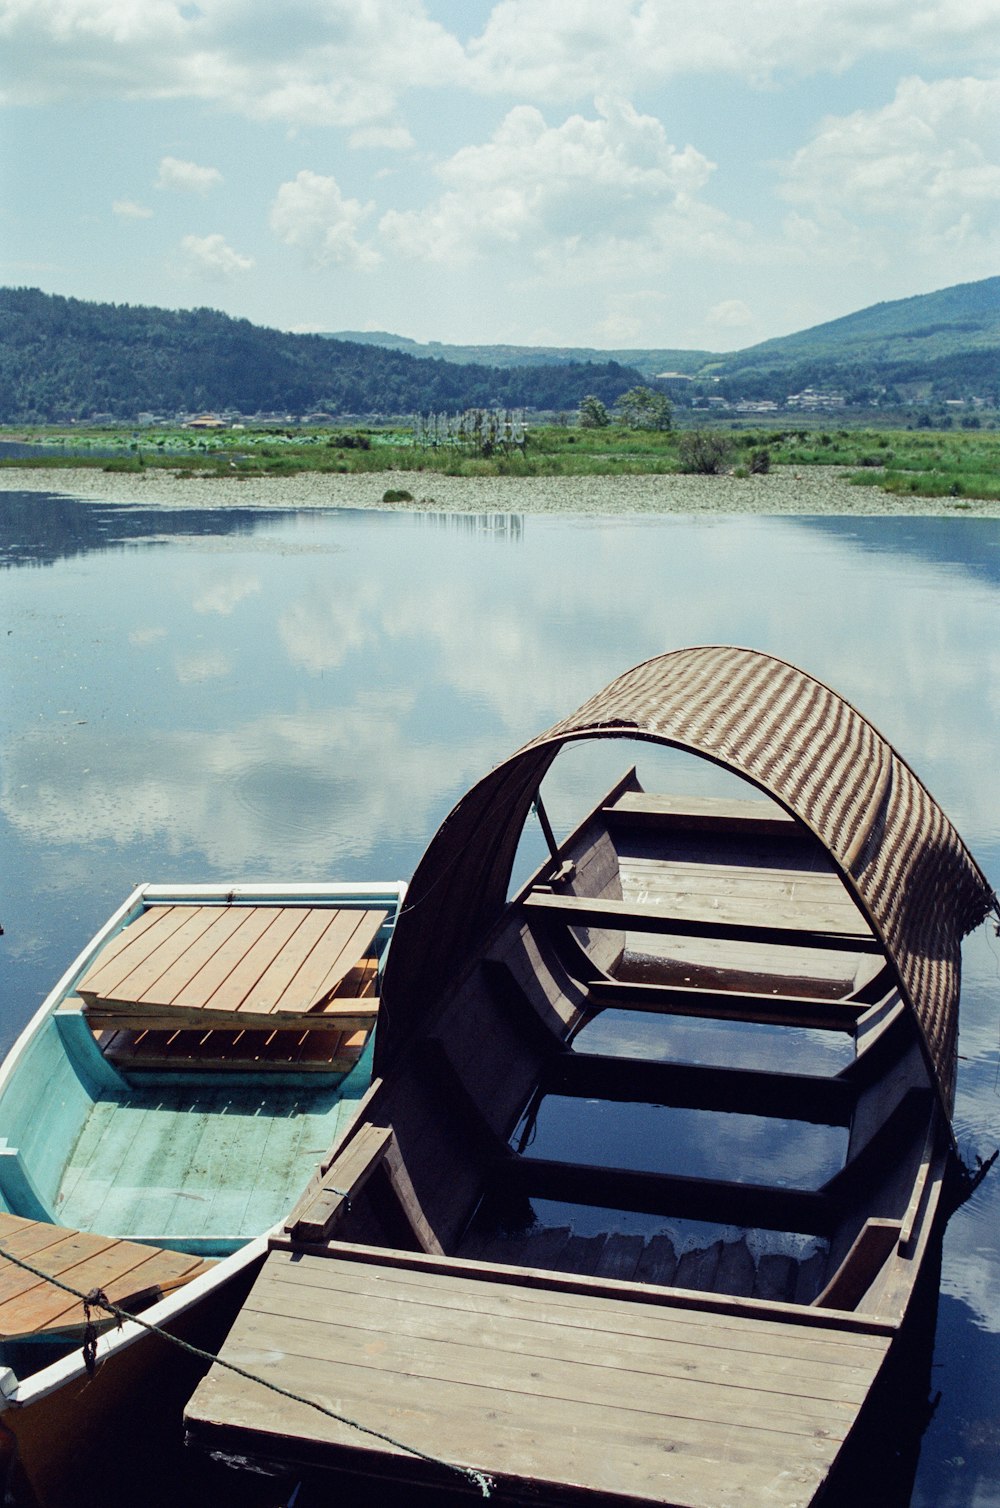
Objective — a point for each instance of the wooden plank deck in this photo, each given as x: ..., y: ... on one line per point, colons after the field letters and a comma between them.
x: 698, y: 919
x: 239, y: 967
x: 761, y: 818
x: 573, y: 1385
x: 130, y: 1274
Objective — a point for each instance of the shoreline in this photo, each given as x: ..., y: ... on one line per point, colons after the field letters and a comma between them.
x: 784, y: 492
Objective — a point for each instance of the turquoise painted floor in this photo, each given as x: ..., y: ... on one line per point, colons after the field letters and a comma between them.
x: 208, y: 1163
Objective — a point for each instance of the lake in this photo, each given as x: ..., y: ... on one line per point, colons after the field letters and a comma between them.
x: 235, y: 693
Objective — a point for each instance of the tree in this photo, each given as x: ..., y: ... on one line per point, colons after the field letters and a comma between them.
x: 592, y: 413
x: 642, y: 408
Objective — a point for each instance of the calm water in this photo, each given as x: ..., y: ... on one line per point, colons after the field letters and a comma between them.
x: 238, y: 695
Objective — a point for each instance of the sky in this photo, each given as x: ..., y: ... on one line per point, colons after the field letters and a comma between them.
x: 700, y: 174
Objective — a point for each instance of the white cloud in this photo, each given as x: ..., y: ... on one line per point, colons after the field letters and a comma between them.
x: 541, y: 187
x: 350, y: 62
x: 128, y: 209
x: 931, y: 157
x: 911, y: 184
x: 185, y: 792
x: 567, y: 48
x: 210, y: 256
x: 187, y: 177
x: 731, y: 314
x: 311, y: 213
x: 210, y: 665
x: 224, y: 595
x: 316, y: 62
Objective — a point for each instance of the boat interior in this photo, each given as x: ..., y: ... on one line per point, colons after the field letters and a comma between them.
x: 681, y: 1058
x: 201, y: 1060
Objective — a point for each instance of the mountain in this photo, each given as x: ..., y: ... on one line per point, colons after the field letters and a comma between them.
x: 942, y: 345
x: 930, y: 325
x: 945, y: 344
x: 651, y: 363
x: 64, y: 359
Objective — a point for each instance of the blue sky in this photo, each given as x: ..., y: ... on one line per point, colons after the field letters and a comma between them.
x: 693, y: 173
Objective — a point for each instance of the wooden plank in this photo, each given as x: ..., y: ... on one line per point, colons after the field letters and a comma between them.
x: 620, y: 1256
x: 578, y: 911
x: 146, y: 979
x: 209, y: 979
x: 71, y: 1247
x: 134, y: 943
x: 406, y: 1195
x: 556, y: 1402
x: 127, y: 1272
x: 345, y: 1176
x: 232, y: 992
x: 122, y: 939
x: 598, y: 1303
x: 27, y: 1238
x: 743, y: 1204
x: 696, y: 1086
x: 280, y: 973
x: 875, y: 1241
x: 726, y: 1005
x: 579, y: 1332
x: 343, y: 1015
x: 742, y: 894
x: 617, y: 1453
x: 353, y: 952
x: 702, y: 814
x: 221, y: 922
x: 716, y: 878
x: 533, y: 1361
x: 345, y: 941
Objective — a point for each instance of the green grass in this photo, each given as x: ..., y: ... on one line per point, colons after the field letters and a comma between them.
x: 956, y: 463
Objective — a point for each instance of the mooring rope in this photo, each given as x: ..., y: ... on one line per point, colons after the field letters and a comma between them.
x: 96, y: 1299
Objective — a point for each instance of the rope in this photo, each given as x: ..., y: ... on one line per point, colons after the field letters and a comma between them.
x: 96, y: 1299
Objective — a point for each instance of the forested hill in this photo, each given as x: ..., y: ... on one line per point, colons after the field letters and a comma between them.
x: 64, y: 358
x: 944, y: 344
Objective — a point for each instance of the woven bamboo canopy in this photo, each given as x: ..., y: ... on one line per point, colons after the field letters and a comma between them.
x: 783, y: 731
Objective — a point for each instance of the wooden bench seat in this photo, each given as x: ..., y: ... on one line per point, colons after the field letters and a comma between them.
x: 700, y: 814
x: 582, y: 911
x: 727, y: 1005
x: 248, y: 1051
x: 131, y: 1275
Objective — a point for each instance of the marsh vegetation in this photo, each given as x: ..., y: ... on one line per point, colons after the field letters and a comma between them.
x: 921, y: 462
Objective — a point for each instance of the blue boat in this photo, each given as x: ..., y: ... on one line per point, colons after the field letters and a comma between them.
x: 161, y: 1113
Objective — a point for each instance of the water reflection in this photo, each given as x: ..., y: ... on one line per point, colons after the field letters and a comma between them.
x: 240, y: 694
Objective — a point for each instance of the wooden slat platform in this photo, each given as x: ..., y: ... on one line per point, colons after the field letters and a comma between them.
x: 701, y: 814
x: 130, y: 1274
x: 804, y: 898
x: 237, y: 967
x: 566, y: 1384
x: 217, y: 1050
x: 703, y: 920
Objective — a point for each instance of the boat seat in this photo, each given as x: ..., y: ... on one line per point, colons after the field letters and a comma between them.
x: 238, y: 968
x: 218, y: 1051
x: 130, y: 1274
x: 854, y: 936
x: 726, y: 1005
x: 700, y: 814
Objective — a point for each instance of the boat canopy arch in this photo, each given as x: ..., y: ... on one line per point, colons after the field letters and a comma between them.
x: 784, y: 732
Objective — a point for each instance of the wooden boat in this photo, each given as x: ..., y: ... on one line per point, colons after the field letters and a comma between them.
x: 161, y: 1112
x: 657, y: 1147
